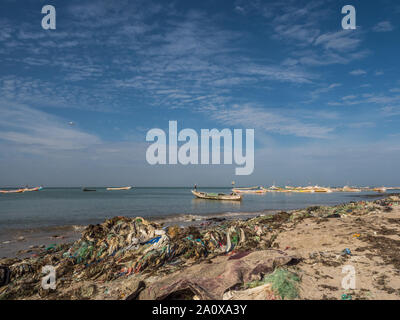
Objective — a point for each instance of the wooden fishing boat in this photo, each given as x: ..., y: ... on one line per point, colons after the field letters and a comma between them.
x: 217, y: 196
x: 250, y: 190
x: 350, y: 189
x: 12, y: 191
x: 32, y: 189
x: 322, y: 189
x: 283, y: 190
x: 120, y: 188
x: 381, y: 190
x: 305, y: 190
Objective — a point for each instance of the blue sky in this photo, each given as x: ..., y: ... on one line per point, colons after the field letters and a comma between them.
x: 324, y: 102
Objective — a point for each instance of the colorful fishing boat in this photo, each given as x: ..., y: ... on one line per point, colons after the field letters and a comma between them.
x: 21, y: 190
x: 217, y: 196
x: 32, y: 189
x: 381, y: 190
x: 12, y: 191
x: 305, y: 190
x: 322, y: 189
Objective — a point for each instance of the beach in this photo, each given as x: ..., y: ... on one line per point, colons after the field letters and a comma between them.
x: 308, y: 249
x: 56, y: 215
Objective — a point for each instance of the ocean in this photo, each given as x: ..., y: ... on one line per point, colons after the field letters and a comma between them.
x: 55, y: 207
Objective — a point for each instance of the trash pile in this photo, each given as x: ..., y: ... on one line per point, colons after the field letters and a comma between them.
x: 389, y: 202
x: 226, y: 276
x: 126, y: 246
x: 351, y: 208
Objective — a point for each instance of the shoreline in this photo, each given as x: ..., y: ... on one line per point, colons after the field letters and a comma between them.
x: 21, y: 242
x: 313, y: 243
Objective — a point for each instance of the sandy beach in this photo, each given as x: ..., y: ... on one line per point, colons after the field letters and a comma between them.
x: 298, y: 254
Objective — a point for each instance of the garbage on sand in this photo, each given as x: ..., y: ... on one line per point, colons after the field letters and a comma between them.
x: 284, y: 283
x: 4, y: 276
x: 121, y: 247
x: 346, y: 252
x: 346, y: 296
x: 213, y: 281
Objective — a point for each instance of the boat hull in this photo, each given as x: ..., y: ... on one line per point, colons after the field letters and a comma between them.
x: 117, y: 189
x: 220, y: 196
x: 12, y: 191
x: 249, y: 191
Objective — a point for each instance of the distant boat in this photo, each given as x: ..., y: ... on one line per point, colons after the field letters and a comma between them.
x: 88, y: 189
x: 217, y: 196
x: 381, y: 190
x: 322, y: 189
x: 120, y: 188
x: 32, y: 189
x: 305, y: 190
x: 21, y: 190
x: 12, y: 191
x: 350, y: 189
x: 250, y: 190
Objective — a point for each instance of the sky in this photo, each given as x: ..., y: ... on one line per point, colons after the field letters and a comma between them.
x: 76, y: 102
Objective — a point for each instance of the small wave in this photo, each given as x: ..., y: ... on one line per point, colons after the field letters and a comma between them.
x: 192, y: 217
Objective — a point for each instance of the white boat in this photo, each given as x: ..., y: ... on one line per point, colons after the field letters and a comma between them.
x: 119, y: 188
x: 250, y: 190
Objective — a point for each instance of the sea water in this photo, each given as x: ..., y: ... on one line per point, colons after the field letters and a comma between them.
x: 71, y: 206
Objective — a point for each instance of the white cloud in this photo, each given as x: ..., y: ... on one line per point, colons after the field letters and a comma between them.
x: 383, y: 26
x: 317, y: 93
x: 390, y: 111
x: 26, y: 127
x: 272, y: 120
x: 357, y: 72
x: 239, y: 9
x: 343, y: 40
x: 349, y: 97
x: 362, y: 125
x: 278, y: 73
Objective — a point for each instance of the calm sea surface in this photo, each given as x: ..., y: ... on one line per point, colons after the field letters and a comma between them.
x: 71, y: 206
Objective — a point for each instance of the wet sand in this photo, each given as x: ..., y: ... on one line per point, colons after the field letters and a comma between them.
x: 24, y: 243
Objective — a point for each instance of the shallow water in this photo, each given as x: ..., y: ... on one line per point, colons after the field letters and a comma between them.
x: 71, y: 206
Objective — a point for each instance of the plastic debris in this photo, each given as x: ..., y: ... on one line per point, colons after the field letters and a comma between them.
x: 346, y: 252
x: 346, y: 296
x: 4, y: 276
